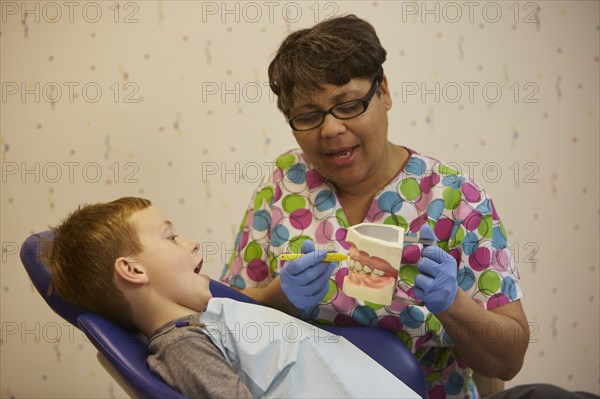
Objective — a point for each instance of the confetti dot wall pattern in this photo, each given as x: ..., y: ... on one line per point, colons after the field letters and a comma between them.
x: 170, y: 101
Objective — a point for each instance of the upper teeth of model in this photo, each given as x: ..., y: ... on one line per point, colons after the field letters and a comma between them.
x: 356, y: 266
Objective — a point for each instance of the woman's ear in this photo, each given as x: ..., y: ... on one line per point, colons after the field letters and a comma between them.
x: 385, y: 93
x: 129, y: 270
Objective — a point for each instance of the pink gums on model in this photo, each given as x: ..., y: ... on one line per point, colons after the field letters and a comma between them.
x: 375, y: 275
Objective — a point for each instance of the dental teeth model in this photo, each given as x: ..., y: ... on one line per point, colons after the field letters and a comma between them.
x: 375, y: 256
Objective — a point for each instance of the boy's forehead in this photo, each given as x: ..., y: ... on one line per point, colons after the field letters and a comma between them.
x: 149, y: 218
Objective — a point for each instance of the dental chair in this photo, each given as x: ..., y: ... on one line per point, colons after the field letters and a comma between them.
x: 123, y: 354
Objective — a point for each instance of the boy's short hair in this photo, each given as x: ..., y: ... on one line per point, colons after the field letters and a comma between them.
x: 82, y: 256
x: 333, y: 51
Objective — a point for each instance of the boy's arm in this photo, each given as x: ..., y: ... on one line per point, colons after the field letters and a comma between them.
x: 190, y: 363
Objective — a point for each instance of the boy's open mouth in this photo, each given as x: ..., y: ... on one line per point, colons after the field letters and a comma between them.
x: 198, y: 268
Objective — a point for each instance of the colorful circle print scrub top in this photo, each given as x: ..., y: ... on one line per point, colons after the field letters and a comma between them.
x: 295, y: 203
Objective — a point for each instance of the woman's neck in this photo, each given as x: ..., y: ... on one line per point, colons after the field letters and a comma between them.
x: 392, y: 162
x: 356, y: 198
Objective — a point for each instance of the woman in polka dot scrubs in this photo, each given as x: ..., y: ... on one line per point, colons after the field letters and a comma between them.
x: 331, y: 86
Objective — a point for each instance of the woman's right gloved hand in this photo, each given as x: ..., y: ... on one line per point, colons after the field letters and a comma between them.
x: 305, y: 280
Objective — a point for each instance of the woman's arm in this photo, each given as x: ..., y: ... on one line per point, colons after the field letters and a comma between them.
x: 272, y: 295
x: 492, y: 342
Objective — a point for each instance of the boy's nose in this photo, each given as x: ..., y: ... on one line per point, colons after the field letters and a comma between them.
x: 196, y: 247
x: 193, y: 245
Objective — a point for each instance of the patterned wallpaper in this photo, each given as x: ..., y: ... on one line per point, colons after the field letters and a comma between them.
x: 170, y: 101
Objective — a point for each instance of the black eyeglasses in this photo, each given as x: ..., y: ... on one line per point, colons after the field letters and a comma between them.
x: 343, y: 111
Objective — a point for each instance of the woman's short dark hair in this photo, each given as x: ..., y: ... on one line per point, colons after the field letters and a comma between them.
x: 333, y: 51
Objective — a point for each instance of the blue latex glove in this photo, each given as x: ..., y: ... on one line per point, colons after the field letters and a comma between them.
x: 305, y: 280
x: 436, y: 284
x: 427, y: 232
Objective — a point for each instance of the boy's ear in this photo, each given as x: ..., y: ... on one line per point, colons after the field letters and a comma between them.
x: 129, y: 270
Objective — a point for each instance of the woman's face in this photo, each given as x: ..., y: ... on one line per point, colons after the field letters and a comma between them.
x: 351, y: 151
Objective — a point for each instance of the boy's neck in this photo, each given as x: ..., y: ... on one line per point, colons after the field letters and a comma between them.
x: 147, y: 318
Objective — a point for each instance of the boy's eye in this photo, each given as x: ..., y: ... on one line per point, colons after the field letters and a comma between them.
x: 173, y: 237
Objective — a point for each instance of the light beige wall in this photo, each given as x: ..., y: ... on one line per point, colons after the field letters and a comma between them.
x: 170, y: 101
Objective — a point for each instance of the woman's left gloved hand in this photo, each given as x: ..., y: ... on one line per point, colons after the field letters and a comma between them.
x: 436, y: 284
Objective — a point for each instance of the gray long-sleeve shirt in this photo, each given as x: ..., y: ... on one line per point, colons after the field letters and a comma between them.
x: 187, y: 360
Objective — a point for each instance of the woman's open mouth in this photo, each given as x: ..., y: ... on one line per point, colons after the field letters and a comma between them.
x: 342, y: 155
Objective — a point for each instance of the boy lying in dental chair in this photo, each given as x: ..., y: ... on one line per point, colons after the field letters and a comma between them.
x: 123, y: 260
